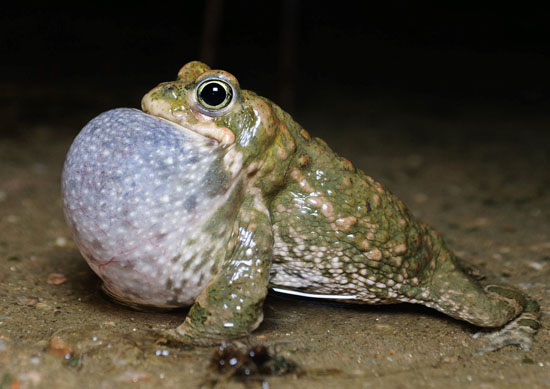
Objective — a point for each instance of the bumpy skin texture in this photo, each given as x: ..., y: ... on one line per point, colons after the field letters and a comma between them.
x: 306, y: 220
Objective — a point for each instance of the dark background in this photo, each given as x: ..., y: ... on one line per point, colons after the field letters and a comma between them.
x: 67, y: 64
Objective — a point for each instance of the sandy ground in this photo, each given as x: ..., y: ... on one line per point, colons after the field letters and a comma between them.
x: 478, y: 174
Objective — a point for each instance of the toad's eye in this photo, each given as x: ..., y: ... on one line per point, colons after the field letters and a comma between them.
x: 214, y: 95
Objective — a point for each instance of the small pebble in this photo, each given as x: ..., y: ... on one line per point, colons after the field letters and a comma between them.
x: 60, y: 348
x: 28, y: 379
x: 56, y: 279
x: 29, y: 301
x: 536, y: 265
x: 12, y: 219
x: 43, y: 306
x: 383, y: 327
x: 134, y: 376
x: 61, y: 241
x: 450, y: 359
x: 540, y: 246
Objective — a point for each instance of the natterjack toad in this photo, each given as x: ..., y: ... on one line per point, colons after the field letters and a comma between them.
x: 217, y: 194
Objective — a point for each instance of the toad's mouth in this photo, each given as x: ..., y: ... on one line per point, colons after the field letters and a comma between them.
x: 205, y: 128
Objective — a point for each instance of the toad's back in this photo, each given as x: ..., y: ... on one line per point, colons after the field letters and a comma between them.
x: 338, y: 232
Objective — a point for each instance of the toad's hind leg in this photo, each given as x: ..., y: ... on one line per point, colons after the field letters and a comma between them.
x: 231, y: 305
x: 453, y: 292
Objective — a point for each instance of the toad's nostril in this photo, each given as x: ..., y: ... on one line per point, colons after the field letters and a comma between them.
x: 169, y: 91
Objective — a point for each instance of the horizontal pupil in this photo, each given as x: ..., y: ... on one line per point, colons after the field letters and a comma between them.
x: 213, y: 94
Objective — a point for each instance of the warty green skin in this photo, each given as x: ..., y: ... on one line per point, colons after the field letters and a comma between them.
x: 309, y: 221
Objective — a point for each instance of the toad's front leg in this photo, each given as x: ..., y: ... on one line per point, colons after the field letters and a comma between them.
x: 231, y: 304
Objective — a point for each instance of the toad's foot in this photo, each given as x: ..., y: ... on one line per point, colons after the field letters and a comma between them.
x: 507, y: 312
x: 230, y: 306
x: 519, y: 332
x: 189, y: 334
